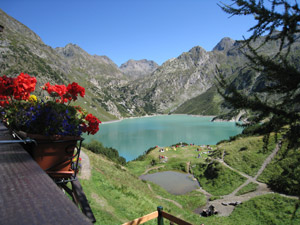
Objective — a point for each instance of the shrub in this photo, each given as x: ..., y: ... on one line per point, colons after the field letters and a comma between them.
x: 111, y: 153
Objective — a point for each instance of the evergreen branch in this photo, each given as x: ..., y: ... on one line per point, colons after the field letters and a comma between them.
x: 268, y: 20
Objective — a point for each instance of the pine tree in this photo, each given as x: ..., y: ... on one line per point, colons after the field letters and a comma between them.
x: 277, y: 107
x: 277, y: 22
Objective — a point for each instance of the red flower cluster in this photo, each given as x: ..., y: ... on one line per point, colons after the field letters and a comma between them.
x: 19, y: 87
x: 93, y: 125
x: 23, y: 86
x: 70, y: 93
x: 6, y: 86
x: 6, y: 89
x: 55, y: 90
x: 73, y: 90
x: 66, y: 93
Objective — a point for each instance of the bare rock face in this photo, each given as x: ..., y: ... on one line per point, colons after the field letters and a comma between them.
x: 178, y: 80
x: 91, y: 64
x: 138, y: 68
x: 224, y: 45
x: 13, y: 26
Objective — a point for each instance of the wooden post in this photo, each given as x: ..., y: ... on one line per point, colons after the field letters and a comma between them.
x: 160, y: 219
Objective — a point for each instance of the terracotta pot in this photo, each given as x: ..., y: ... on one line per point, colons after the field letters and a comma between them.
x: 53, y: 153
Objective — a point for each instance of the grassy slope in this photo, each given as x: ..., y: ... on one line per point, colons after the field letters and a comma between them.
x: 177, y: 159
x: 266, y: 209
x: 263, y: 210
x: 89, y: 102
x: 225, y: 183
x: 207, y: 103
x: 283, y: 173
x: 246, y: 154
x: 118, y: 196
x: 217, y: 179
x: 248, y: 188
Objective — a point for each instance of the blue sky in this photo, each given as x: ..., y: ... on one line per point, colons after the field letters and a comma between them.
x: 129, y: 29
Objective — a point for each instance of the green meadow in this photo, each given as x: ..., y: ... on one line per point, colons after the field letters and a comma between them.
x: 117, y: 195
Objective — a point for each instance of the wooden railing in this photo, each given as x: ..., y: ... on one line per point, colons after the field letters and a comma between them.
x: 28, y: 196
x: 160, y: 215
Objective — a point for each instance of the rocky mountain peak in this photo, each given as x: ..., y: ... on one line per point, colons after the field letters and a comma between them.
x: 197, y: 53
x: 13, y: 26
x: 197, y: 49
x: 224, y: 45
x: 138, y: 68
x: 194, y: 57
x: 70, y: 50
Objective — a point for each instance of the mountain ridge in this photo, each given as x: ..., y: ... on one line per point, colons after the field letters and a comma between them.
x: 137, y: 87
x: 138, y: 68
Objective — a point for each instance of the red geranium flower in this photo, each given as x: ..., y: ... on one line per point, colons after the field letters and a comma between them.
x: 3, y: 100
x: 73, y: 90
x: 55, y: 90
x: 6, y: 86
x: 23, y: 86
x: 66, y: 93
x: 93, y: 124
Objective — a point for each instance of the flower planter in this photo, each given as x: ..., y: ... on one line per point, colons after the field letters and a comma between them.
x: 51, y: 115
x: 54, y: 154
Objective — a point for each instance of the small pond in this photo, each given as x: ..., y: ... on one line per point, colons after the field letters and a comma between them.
x: 174, y: 182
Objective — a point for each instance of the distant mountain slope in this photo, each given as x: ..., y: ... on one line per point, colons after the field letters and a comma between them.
x: 189, y: 75
x: 137, y: 88
x: 93, y: 65
x: 178, y: 80
x: 138, y: 68
x: 233, y: 64
x: 23, y: 51
x: 224, y: 45
x: 207, y: 103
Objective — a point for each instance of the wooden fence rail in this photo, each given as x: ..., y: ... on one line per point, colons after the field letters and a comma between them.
x: 159, y: 214
x: 143, y: 219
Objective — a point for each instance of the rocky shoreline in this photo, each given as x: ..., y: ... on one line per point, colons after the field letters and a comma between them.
x: 137, y: 117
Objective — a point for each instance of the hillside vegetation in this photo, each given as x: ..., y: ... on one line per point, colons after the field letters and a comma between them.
x: 117, y: 195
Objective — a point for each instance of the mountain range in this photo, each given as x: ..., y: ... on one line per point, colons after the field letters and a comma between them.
x: 185, y: 84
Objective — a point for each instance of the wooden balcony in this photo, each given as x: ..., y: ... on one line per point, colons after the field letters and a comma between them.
x: 27, y: 194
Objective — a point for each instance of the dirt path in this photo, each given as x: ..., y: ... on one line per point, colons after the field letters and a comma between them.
x: 85, y: 166
x: 208, y: 195
x: 188, y: 164
x: 253, y: 179
x: 152, y: 168
x: 221, y: 205
x: 166, y: 199
x: 268, y: 160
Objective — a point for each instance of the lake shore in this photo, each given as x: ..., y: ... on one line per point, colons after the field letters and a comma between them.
x: 132, y: 117
x: 137, y: 134
x: 138, y: 117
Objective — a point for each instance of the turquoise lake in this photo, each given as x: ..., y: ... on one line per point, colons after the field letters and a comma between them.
x: 132, y: 137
